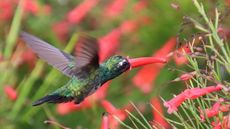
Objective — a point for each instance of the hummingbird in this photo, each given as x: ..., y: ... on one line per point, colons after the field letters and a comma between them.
x: 84, y: 70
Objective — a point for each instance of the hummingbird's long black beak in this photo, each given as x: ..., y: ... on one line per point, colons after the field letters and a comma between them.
x: 137, y: 62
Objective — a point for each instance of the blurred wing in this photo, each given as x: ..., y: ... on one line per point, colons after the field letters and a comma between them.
x: 55, y: 57
x: 86, y: 54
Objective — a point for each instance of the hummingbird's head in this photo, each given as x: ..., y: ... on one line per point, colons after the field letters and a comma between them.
x: 116, y: 65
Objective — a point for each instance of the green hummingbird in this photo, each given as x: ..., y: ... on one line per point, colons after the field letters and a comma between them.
x: 85, y: 72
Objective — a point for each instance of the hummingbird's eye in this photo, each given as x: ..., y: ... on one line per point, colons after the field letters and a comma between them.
x: 123, y: 64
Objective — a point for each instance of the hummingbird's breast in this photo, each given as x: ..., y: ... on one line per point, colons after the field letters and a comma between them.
x: 81, y: 88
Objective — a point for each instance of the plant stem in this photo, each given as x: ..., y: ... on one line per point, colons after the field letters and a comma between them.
x: 12, y: 36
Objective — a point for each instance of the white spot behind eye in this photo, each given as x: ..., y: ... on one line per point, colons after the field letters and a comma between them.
x: 121, y: 63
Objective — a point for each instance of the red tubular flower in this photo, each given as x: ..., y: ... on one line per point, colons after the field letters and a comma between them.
x: 189, y: 94
x: 113, y: 111
x: 179, y: 56
x: 105, y: 121
x: 157, y: 112
x: 146, y: 76
x: 109, y: 43
x: 137, y: 62
x: 77, y: 14
x: 185, y: 77
x: 210, y: 112
x: 214, y: 111
x: 174, y: 103
x: 10, y: 92
x: 115, y: 8
x: 223, y: 124
x: 197, y: 92
x: 216, y: 125
x: 224, y: 108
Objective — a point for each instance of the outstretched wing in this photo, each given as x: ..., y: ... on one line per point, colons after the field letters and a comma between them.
x: 55, y: 57
x: 86, y: 55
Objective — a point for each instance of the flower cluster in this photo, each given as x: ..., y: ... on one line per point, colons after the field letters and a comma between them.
x: 189, y: 94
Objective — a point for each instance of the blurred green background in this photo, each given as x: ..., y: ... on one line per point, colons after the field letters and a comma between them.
x: 155, y: 22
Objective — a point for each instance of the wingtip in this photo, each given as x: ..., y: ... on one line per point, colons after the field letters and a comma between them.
x: 36, y: 103
x: 52, y: 99
x: 42, y: 100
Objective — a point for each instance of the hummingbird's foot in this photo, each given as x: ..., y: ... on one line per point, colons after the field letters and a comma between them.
x: 78, y: 100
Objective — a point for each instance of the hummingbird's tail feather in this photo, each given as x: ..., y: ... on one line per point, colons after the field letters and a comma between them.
x: 52, y: 99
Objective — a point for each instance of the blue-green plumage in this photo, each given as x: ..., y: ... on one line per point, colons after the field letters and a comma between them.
x: 86, y: 74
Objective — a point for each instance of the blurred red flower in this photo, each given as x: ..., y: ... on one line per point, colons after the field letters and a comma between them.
x: 227, y: 2
x: 76, y: 15
x: 146, y: 76
x: 113, y: 111
x: 10, y: 92
x: 47, y: 9
x: 61, y: 29
x: 105, y: 121
x: 140, y: 5
x: 179, y: 56
x: 145, y: 20
x: 31, y: 6
x: 29, y: 58
x: 193, y: 93
x: 6, y: 10
x: 1, y: 58
x: 224, y: 33
x: 115, y: 8
x: 66, y: 108
x: 158, y: 112
x: 129, y: 26
x: 109, y: 43
x: 100, y: 93
x: 214, y: 110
